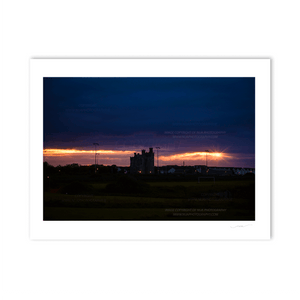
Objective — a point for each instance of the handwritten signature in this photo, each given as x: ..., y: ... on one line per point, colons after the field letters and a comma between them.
x: 240, y: 226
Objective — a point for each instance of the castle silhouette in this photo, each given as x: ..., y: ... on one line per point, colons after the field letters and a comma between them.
x: 142, y: 163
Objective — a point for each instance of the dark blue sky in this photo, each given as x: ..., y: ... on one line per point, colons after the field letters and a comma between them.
x: 177, y: 114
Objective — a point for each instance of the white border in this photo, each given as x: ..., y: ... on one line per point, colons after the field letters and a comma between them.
x: 151, y: 230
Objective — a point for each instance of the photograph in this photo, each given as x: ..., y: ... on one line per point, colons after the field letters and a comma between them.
x: 149, y: 148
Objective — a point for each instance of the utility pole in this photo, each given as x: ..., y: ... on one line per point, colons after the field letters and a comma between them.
x: 206, y: 151
x: 157, y: 160
x: 95, y: 144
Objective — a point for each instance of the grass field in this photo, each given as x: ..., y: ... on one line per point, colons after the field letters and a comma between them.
x: 232, y: 200
x: 99, y: 185
x: 77, y: 214
x: 205, y: 186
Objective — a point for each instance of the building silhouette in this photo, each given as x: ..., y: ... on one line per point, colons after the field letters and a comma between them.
x: 142, y: 163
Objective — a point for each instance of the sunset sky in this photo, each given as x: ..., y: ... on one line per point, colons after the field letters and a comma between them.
x: 182, y: 116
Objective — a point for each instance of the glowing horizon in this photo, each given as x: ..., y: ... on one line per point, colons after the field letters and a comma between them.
x: 122, y: 158
x: 194, y: 156
x: 58, y: 152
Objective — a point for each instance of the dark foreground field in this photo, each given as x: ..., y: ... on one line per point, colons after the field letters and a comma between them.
x: 131, y: 199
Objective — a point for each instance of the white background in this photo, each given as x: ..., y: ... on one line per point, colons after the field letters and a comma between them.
x: 150, y: 270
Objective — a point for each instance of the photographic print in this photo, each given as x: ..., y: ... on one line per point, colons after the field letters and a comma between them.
x: 141, y: 149
x: 149, y: 148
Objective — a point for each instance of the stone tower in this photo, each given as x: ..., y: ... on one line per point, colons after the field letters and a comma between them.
x: 142, y: 163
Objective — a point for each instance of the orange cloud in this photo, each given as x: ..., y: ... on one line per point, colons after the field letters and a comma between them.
x: 63, y: 152
x: 194, y: 156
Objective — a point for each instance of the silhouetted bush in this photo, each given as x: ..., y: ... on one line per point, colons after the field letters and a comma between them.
x: 127, y: 184
x: 249, y: 176
x: 77, y: 188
